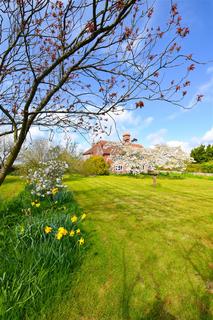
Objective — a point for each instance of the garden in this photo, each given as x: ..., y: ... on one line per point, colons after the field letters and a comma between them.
x: 41, y: 241
x: 123, y: 230
x: 141, y: 252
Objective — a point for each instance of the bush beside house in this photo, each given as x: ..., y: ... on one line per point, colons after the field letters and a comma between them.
x: 95, y: 165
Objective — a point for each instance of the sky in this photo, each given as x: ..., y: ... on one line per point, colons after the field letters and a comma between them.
x: 159, y: 122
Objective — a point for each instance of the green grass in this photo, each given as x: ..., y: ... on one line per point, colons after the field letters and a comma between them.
x: 150, y: 250
x: 11, y: 187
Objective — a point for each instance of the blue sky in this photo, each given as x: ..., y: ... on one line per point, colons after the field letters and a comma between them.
x: 159, y: 122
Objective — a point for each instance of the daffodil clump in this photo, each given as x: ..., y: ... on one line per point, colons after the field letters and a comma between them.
x: 73, y: 231
x: 36, y: 203
x: 47, y: 180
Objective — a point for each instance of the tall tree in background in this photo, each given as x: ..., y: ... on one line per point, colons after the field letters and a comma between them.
x: 209, y: 152
x: 202, y: 153
x: 69, y: 64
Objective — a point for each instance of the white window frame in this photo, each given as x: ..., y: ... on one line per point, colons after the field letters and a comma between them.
x: 118, y: 167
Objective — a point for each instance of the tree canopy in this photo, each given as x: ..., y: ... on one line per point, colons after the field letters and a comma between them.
x: 202, y: 153
x: 69, y: 64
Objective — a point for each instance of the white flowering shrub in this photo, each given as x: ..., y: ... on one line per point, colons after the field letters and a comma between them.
x: 47, y: 180
x: 140, y: 160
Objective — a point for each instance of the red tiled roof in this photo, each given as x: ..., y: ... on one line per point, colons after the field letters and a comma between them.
x: 100, y: 144
x: 98, y: 148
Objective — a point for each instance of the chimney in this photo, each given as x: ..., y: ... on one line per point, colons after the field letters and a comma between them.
x: 126, y: 137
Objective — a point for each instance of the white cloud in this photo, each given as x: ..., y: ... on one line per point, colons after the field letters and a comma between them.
x: 147, y: 121
x: 56, y: 137
x: 208, y: 137
x: 36, y: 133
x: 117, y: 124
x: 157, y: 137
x: 126, y: 118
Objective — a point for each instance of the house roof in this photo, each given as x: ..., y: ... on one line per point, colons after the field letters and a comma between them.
x: 103, y: 148
x: 95, y: 146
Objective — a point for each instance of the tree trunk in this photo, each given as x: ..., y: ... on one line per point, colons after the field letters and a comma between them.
x: 154, y: 180
x: 10, y: 159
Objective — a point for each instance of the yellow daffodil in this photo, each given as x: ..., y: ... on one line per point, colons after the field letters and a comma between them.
x: 83, y: 216
x: 72, y: 233
x: 47, y: 229
x: 81, y: 241
x: 63, y: 231
x: 54, y: 191
x: 59, y: 236
x: 78, y: 231
x: 35, y: 203
x: 74, y: 219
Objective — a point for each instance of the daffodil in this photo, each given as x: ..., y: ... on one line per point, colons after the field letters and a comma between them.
x: 74, y: 219
x: 59, y: 236
x: 54, y: 191
x: 78, y: 231
x: 63, y: 231
x: 81, y: 241
x: 83, y: 216
x: 35, y: 203
x: 47, y: 229
x: 72, y: 233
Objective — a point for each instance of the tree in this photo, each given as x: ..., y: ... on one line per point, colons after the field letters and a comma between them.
x: 209, y: 152
x: 42, y: 150
x: 199, y: 154
x: 37, y: 151
x: 141, y: 160
x: 202, y: 153
x: 69, y: 64
x: 5, y: 148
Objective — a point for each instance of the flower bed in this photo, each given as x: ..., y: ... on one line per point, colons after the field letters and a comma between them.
x: 42, y: 242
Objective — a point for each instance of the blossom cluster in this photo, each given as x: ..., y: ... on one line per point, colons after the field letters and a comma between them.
x: 47, y: 179
x: 74, y: 231
x: 140, y: 160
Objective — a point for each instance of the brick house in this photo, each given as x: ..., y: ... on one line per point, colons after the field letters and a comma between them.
x: 104, y: 148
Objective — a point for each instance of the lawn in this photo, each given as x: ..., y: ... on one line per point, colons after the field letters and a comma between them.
x: 149, y: 250
x: 11, y: 187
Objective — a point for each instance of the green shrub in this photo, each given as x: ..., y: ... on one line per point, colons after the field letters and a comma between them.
x: 95, y: 165
x: 193, y: 167
x: 207, y: 167
x: 171, y: 175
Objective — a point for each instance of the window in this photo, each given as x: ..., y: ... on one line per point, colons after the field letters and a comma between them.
x: 118, y: 168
